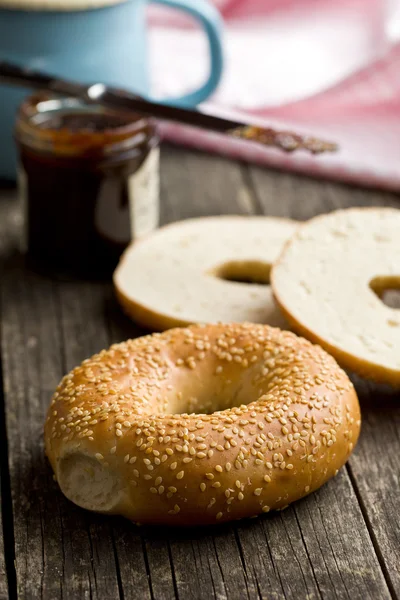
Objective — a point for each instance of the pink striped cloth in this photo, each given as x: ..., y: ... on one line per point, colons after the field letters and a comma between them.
x: 330, y: 69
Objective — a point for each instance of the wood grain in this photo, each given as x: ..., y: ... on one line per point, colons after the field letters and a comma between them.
x: 7, y: 570
x: 5, y: 504
x: 375, y: 472
x: 341, y: 542
x: 53, y: 547
x: 374, y: 468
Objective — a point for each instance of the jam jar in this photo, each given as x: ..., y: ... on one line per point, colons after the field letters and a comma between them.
x: 89, y: 182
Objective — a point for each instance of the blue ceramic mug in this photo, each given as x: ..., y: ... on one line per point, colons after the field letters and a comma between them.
x: 105, y: 43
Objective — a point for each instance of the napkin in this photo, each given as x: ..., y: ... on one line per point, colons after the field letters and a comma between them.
x: 312, y: 66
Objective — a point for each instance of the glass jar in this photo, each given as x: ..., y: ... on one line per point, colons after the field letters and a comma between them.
x: 89, y: 182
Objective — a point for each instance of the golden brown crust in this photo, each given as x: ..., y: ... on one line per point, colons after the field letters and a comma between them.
x: 288, y: 420
x: 348, y: 361
x: 146, y: 317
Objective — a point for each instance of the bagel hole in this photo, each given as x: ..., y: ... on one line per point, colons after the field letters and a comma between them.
x: 224, y: 398
x: 245, y: 271
x: 388, y: 290
x: 199, y: 407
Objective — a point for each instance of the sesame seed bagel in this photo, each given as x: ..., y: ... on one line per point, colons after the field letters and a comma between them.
x: 328, y: 282
x: 195, y: 271
x: 201, y: 425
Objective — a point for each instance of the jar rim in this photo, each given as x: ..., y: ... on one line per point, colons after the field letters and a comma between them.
x: 130, y: 130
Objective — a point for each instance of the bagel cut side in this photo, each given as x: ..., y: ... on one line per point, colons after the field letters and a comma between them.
x: 329, y: 281
x: 201, y: 425
x: 207, y: 270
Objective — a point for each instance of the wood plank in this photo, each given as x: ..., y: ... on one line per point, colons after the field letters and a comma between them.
x: 4, y: 503
x: 197, y: 185
x: 5, y: 498
x: 313, y: 550
x: 29, y: 481
x: 60, y: 550
x: 375, y: 473
x: 374, y: 468
x: 298, y: 197
x: 7, y: 570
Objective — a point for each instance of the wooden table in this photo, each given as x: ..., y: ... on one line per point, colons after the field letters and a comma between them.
x: 341, y: 542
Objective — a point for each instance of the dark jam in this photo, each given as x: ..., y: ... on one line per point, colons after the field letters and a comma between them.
x: 79, y: 168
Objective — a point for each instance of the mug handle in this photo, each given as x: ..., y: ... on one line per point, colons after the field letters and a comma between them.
x: 211, y: 21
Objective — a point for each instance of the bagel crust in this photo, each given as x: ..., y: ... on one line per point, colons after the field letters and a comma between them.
x: 201, y: 425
